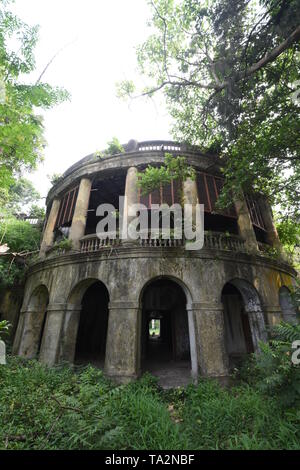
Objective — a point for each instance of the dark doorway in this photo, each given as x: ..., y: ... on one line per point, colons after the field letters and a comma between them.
x: 42, y: 330
x: 238, y: 336
x: 165, y: 347
x: 92, y: 330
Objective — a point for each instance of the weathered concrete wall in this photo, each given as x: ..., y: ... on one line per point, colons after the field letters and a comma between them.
x: 125, y: 272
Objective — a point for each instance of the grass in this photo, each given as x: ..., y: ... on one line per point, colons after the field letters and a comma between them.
x: 42, y: 408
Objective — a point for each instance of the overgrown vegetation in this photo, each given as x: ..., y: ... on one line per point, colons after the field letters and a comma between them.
x: 4, y: 328
x: 21, y: 127
x: 273, y: 371
x: 114, y: 147
x: 58, y: 408
x: 173, y: 168
x: 21, y: 238
x: 229, y: 71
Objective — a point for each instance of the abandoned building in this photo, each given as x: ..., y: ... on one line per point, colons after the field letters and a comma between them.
x: 150, y: 304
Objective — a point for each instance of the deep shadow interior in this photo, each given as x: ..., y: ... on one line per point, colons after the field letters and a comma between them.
x: 168, y: 352
x: 92, y: 330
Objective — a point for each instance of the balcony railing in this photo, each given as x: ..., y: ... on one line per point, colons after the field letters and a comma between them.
x: 212, y: 241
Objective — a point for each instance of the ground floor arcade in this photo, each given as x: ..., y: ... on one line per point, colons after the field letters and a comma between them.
x: 175, y: 325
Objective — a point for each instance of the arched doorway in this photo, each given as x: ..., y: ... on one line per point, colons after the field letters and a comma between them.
x: 34, y: 323
x: 92, y: 329
x: 243, y: 319
x: 288, y: 307
x: 165, y: 336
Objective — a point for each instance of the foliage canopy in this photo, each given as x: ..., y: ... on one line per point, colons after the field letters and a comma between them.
x: 230, y: 72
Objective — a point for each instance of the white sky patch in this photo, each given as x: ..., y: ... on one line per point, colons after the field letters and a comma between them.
x: 102, y: 35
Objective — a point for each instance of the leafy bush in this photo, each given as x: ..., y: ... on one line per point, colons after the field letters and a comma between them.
x: 174, y: 168
x: 58, y: 408
x: 64, y: 244
x: 239, y: 418
x: 272, y: 371
x: 20, y: 236
x: 4, y: 327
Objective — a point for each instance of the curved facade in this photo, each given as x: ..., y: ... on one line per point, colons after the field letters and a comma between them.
x: 151, y: 304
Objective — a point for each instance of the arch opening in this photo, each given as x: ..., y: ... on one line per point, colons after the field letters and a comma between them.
x: 165, y: 335
x: 288, y: 307
x: 91, y: 337
x: 239, y: 338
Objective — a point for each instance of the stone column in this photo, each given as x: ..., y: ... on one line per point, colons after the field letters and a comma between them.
x: 122, y: 358
x: 257, y: 327
x: 210, y: 330
x: 190, y: 194
x: 246, y: 229
x: 69, y: 333
x: 131, y: 195
x: 193, y: 343
x: 18, y: 335
x: 80, y: 213
x: 52, y: 334
x: 32, y: 320
x: 272, y: 235
x: 48, y: 236
x: 273, y: 315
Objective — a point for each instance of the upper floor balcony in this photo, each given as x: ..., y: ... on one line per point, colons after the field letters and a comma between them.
x: 245, y: 226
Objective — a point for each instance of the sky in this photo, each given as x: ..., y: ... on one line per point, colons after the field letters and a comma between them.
x: 101, y: 37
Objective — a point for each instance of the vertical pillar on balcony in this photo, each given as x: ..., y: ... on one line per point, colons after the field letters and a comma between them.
x: 80, y: 213
x: 48, y: 235
x: 190, y: 193
x: 210, y: 331
x: 272, y: 235
x: 246, y: 229
x: 131, y: 195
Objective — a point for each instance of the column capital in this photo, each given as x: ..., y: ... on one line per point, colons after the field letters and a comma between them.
x: 56, y: 307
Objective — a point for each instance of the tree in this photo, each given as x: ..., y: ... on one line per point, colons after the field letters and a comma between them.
x: 21, y: 238
x: 230, y: 71
x: 21, y: 197
x: 21, y: 128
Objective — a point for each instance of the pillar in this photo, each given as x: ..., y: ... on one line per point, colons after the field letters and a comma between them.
x: 257, y: 327
x: 18, y: 335
x: 69, y: 333
x: 52, y: 334
x: 272, y: 235
x: 190, y: 195
x: 131, y: 195
x: 48, y: 236
x: 80, y: 213
x: 210, y: 331
x: 32, y: 320
x: 246, y: 229
x: 273, y: 315
x: 122, y: 358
